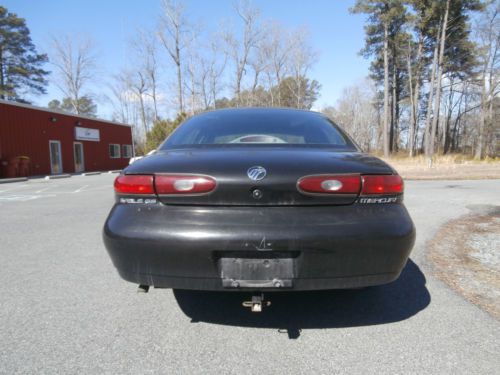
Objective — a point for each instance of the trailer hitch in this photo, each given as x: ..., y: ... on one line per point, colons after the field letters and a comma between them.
x: 257, y: 303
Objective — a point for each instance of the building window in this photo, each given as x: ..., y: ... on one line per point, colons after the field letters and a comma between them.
x: 114, y: 151
x: 127, y: 151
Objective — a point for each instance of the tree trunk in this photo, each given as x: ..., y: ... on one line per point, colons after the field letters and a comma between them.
x: 143, y: 114
x: 394, y: 110
x: 193, y: 93
x: 449, y: 145
x: 76, y: 104
x: 431, y: 99
x: 439, y: 74
x: 488, y: 70
x: 446, y: 126
x: 386, y: 91
x: 254, y: 86
x: 154, y: 96
x: 479, y: 152
x: 416, y: 95
x: 179, y: 88
x: 2, y: 77
x: 238, y: 87
x: 411, y: 129
x: 179, y: 70
x: 214, y: 94
x: 278, y: 85
x: 271, y: 91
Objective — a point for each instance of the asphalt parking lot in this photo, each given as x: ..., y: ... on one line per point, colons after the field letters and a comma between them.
x: 65, y: 310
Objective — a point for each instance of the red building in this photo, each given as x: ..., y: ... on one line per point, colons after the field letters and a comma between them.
x: 38, y: 141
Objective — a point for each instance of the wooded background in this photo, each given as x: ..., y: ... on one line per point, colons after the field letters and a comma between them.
x: 433, y: 86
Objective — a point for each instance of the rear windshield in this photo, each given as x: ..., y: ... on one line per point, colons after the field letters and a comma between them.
x: 240, y: 127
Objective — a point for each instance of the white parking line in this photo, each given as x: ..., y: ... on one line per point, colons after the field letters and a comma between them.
x: 80, y: 189
x: 44, y: 189
x: 22, y: 198
x: 47, y: 189
x: 100, y: 187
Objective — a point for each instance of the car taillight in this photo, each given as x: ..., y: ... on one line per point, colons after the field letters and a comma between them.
x: 184, y: 184
x: 382, y: 184
x: 330, y: 184
x: 134, y: 184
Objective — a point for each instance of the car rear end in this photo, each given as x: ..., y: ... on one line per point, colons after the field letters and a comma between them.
x: 318, y: 219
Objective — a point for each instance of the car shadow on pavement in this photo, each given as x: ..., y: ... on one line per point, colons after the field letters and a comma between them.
x: 291, y: 312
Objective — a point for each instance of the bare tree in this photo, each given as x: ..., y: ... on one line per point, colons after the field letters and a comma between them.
x: 386, y: 131
x: 356, y: 112
x: 301, y: 59
x: 139, y: 86
x: 439, y: 73
x: 75, y: 63
x: 203, y: 82
x: 415, y: 66
x: 121, y: 100
x: 172, y: 33
x: 136, y: 85
x: 126, y: 107
x: 430, y: 101
x: 258, y: 62
x: 488, y: 31
x: 192, y: 70
x: 146, y: 49
x: 277, y: 46
x: 216, y: 63
x: 413, y: 105
x: 240, y: 50
x: 198, y: 70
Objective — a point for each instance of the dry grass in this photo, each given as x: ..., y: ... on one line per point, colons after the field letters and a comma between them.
x: 449, y: 159
x: 444, y: 167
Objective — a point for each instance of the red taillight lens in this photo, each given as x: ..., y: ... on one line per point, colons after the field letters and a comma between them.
x: 384, y: 184
x: 330, y: 184
x: 184, y: 184
x: 134, y: 184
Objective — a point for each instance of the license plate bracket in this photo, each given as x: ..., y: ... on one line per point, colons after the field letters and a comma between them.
x: 257, y: 272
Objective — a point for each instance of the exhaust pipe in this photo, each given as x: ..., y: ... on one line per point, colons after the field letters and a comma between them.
x: 143, y: 288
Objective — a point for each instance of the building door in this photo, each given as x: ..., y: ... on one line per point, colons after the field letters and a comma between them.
x: 55, y: 157
x: 79, y: 160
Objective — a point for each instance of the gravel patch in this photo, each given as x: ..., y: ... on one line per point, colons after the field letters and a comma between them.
x: 466, y: 255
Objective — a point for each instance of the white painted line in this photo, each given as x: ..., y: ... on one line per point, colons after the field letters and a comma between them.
x: 100, y: 188
x: 44, y: 189
x: 23, y: 198
x: 80, y: 189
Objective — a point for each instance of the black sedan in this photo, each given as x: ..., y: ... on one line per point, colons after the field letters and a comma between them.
x: 259, y: 200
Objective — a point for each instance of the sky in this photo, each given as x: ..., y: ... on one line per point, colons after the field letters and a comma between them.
x: 337, y: 35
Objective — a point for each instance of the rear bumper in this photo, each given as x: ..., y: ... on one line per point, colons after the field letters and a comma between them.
x: 332, y: 247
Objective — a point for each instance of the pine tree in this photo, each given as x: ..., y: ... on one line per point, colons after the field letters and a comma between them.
x: 414, y: 45
x: 85, y: 104
x: 453, y: 55
x: 20, y: 65
x: 161, y: 130
x: 385, y: 37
